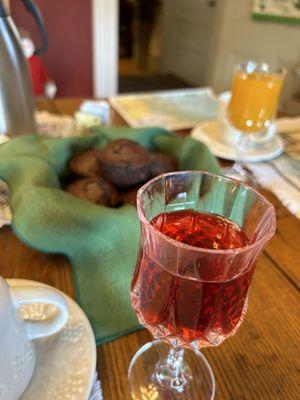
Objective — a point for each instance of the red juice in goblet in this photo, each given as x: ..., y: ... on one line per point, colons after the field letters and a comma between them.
x: 194, y: 312
x: 192, y: 278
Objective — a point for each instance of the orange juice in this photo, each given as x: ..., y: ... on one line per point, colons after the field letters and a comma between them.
x: 254, y: 100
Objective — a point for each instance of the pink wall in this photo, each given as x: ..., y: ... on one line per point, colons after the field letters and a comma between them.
x: 69, y: 57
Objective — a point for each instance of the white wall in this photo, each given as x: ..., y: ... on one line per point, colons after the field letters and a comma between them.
x: 187, y: 27
x: 105, y: 17
x: 238, y: 38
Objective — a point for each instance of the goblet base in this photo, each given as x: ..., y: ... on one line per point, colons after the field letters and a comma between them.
x: 157, y: 373
x: 240, y: 173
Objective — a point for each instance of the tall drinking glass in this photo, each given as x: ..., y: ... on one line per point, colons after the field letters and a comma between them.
x: 255, y: 93
x: 191, y: 297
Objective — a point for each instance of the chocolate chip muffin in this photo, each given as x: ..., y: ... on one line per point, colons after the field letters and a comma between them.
x: 129, y: 196
x: 125, y: 163
x: 86, y: 164
x: 162, y: 163
x: 96, y: 190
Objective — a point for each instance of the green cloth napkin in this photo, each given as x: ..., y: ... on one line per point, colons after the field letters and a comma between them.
x: 101, y: 243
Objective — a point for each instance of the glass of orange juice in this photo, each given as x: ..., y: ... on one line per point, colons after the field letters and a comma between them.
x: 255, y: 93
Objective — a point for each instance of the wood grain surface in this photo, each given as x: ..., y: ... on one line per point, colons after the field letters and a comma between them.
x: 261, y: 362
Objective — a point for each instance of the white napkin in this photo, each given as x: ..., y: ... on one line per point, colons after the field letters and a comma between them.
x: 282, y: 175
x: 96, y: 393
x: 278, y: 177
x: 287, y: 125
x: 5, y: 213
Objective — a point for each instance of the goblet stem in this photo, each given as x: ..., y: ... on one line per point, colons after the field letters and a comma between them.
x: 238, y: 171
x: 242, y: 142
x: 172, y: 373
x: 158, y: 372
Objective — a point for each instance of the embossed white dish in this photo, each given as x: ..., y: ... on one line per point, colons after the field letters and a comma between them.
x: 208, y: 133
x: 66, y: 362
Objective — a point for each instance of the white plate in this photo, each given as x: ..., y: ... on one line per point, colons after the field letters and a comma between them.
x: 171, y: 109
x: 66, y: 362
x: 208, y: 132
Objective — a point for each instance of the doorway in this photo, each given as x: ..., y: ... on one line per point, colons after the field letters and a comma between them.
x: 140, y: 48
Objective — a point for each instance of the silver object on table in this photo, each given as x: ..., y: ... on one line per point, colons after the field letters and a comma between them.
x: 16, y: 96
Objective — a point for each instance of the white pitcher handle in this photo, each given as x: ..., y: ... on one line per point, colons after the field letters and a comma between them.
x: 22, y: 295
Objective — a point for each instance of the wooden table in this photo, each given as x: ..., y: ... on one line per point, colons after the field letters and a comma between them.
x: 262, y: 361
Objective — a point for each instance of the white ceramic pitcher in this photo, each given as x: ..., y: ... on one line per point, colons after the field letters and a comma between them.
x: 17, y: 350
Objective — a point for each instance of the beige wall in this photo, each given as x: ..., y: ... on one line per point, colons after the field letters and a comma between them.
x: 187, y: 27
x: 238, y: 38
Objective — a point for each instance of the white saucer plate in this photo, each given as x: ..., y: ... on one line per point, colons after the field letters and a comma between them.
x: 209, y: 133
x: 66, y: 362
